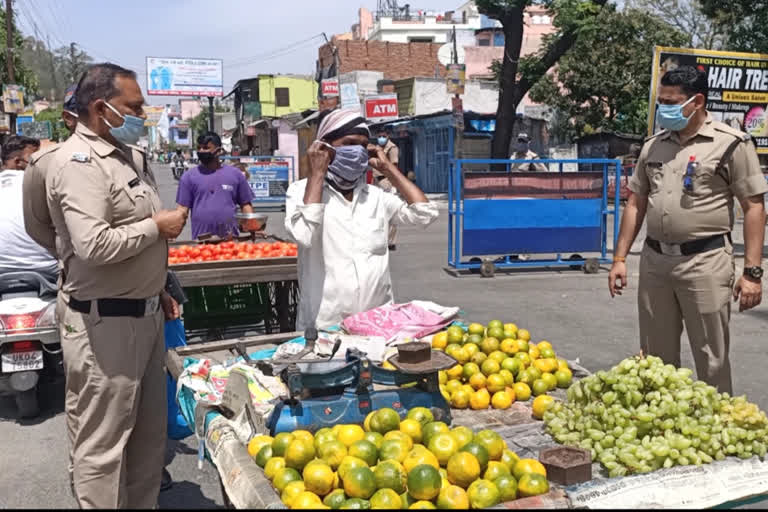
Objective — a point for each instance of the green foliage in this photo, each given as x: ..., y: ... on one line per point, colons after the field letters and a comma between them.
x: 746, y: 21
x: 688, y: 17
x: 602, y: 82
x: 58, y: 128
x: 23, y: 75
x: 199, y: 123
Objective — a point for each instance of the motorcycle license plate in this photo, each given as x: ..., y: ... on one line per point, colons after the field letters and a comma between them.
x: 22, y: 361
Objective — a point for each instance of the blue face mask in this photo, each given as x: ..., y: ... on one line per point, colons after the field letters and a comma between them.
x: 131, y: 129
x: 671, y: 116
x: 348, y: 166
x: 382, y: 141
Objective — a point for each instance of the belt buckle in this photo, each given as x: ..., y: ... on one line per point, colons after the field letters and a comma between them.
x: 150, y: 305
x: 670, y: 249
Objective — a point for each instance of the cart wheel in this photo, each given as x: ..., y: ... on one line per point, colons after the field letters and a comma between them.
x: 487, y: 269
x: 474, y: 260
x: 576, y: 257
x: 591, y: 266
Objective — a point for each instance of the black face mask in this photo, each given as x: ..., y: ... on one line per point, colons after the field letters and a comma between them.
x: 206, y: 157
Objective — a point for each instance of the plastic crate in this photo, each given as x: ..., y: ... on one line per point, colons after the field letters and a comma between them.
x: 212, y: 307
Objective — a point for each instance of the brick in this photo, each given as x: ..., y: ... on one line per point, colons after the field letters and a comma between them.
x: 395, y: 60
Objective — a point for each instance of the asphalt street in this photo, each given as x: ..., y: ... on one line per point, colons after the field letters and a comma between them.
x: 571, y: 309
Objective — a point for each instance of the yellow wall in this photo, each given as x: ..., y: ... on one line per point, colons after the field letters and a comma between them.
x: 302, y: 95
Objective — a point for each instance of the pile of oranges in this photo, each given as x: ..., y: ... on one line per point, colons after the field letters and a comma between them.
x: 229, y: 251
x: 394, y: 463
x: 498, y: 365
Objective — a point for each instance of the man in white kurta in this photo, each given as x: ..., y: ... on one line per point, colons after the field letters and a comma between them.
x: 341, y: 224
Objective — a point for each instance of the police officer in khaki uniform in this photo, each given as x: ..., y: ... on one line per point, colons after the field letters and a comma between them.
x: 522, y: 151
x: 685, y: 181
x: 112, y: 235
x: 37, y: 218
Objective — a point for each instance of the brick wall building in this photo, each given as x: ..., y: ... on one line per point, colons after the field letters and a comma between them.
x: 395, y: 60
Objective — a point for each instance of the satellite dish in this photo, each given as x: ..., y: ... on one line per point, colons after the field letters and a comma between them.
x: 445, y: 54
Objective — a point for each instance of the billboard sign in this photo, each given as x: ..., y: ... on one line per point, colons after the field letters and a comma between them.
x: 381, y: 107
x: 185, y: 77
x: 330, y: 87
x: 350, y: 98
x: 36, y: 129
x: 738, y: 87
x: 153, y: 114
x: 13, y: 99
x: 269, y: 180
x: 456, y: 78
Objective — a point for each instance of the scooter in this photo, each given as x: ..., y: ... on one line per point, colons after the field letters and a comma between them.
x: 29, y: 338
x: 178, y: 169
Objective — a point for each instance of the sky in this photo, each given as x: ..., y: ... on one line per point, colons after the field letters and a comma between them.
x: 251, y: 36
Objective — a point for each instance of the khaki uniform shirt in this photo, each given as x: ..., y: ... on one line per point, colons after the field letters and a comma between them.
x: 101, y: 200
x: 37, y: 217
x: 677, y: 216
x: 529, y: 155
x: 393, y: 154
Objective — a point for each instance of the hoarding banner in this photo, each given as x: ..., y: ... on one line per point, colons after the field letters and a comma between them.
x: 153, y: 114
x: 349, y: 96
x: 36, y: 129
x: 738, y: 87
x: 381, y: 107
x: 330, y: 87
x: 185, y: 77
x: 13, y: 99
x: 269, y: 180
x: 455, y: 78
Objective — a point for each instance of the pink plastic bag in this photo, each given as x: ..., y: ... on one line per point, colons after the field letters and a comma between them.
x: 395, y: 321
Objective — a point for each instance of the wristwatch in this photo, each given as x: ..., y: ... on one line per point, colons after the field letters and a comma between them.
x: 754, y: 272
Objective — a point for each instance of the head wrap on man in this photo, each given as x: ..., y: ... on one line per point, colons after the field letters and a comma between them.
x: 340, y: 123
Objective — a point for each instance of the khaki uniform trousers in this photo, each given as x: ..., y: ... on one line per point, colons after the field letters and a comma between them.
x: 695, y: 290
x: 115, y: 405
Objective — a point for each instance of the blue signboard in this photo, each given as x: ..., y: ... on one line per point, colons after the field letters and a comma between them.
x: 269, y: 180
x: 20, y: 120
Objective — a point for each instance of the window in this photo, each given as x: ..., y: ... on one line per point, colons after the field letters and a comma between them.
x: 282, y: 97
x: 536, y: 20
x: 546, y: 20
x: 484, y: 42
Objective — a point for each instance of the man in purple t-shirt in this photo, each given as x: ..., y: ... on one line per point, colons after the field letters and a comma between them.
x: 213, y: 191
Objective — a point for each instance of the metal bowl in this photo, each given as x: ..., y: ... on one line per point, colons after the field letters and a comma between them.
x: 251, y: 221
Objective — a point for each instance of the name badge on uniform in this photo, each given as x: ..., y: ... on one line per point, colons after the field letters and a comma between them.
x: 81, y: 157
x: 134, y: 182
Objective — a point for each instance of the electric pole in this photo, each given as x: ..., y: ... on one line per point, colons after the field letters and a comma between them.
x: 9, y: 56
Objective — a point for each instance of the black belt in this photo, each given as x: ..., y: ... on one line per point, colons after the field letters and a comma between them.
x: 118, y: 307
x: 689, y: 248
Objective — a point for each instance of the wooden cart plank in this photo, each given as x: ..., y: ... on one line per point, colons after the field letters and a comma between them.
x: 227, y: 264
x: 237, y: 275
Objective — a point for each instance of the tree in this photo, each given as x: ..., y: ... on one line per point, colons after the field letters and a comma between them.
x: 23, y: 75
x: 688, y: 17
x: 73, y: 62
x: 519, y: 75
x: 610, y: 91
x: 745, y: 20
x: 40, y: 60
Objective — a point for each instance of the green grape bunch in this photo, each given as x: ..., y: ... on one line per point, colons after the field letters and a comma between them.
x: 642, y: 415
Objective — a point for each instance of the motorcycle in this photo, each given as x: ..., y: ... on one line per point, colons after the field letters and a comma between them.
x: 178, y: 169
x: 29, y: 338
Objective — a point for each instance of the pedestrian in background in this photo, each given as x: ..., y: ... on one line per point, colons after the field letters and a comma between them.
x: 685, y: 182
x: 392, y: 152
x: 104, y: 204
x: 522, y: 151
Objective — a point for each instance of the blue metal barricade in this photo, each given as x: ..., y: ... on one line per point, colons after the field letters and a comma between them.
x: 495, y: 216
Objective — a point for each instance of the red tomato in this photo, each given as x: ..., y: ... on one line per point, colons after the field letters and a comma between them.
x: 195, y: 252
x: 292, y: 251
x: 242, y: 255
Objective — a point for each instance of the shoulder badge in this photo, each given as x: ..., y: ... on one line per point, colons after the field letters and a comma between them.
x: 81, y: 157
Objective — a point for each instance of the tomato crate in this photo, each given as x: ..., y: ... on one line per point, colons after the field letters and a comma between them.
x: 212, y: 307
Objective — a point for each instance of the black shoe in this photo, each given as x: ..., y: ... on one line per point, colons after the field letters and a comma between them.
x: 392, y: 247
x: 166, y: 482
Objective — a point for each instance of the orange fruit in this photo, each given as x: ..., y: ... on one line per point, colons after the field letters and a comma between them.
x: 394, y: 449
x: 411, y: 428
x: 522, y: 391
x: 543, y: 344
x: 333, y: 452
x: 349, y: 434
x: 479, y: 451
x: 367, y: 421
x: 256, y: 443
x: 335, y: 498
x: 280, y: 443
x: 463, y: 469
x: 359, y: 483
x: 498, y: 356
x: 522, y: 345
x: 432, y: 428
x: 454, y: 372
x: 263, y: 456
x: 419, y: 455
x: 284, y: 477
x: 540, y: 387
x: 453, y: 497
x: 483, y: 494
x: 550, y: 379
x: 495, y: 470
x: 390, y: 475
x: 397, y: 434
x: 306, y: 501
x: 564, y: 378
x: 492, y: 442
x: 525, y: 377
x: 386, y: 499
x: 443, y: 445
x: 366, y: 451
x: 523, y: 334
x: 532, y: 484
x: 290, y: 492
x: 385, y: 420
x: 495, y: 383
x: 478, y: 358
x: 495, y: 332
x: 562, y: 364
x: 303, y: 434
x: 502, y: 400
x: 475, y: 328
x: 440, y: 340
x: 525, y: 466
x: 547, y: 352
x: 462, y: 435
x: 512, y: 364
x: 460, y: 399
x: 272, y: 466
x: 455, y: 334
x: 470, y: 369
x: 508, y: 346
x: 298, y: 453
x: 322, y: 436
x: 507, y: 486
x: 534, y: 352
x: 318, y: 478
x: 356, y: 504
x: 477, y: 381
x: 471, y: 349
x: 348, y: 463
x: 480, y: 399
x: 422, y: 505
x: 489, y: 345
x: 451, y: 386
x: 375, y: 438
x: 509, y: 378
x: 490, y: 366
x: 540, y: 405
x: 509, y: 458
x: 424, y: 482
x: 546, y: 365
x: 461, y: 355
x: 534, y: 372
x: 524, y: 358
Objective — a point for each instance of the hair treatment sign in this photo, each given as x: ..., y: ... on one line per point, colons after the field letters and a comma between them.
x: 167, y: 76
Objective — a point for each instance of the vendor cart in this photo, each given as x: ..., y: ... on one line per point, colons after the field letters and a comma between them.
x: 727, y: 483
x: 497, y: 216
x: 233, y: 297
